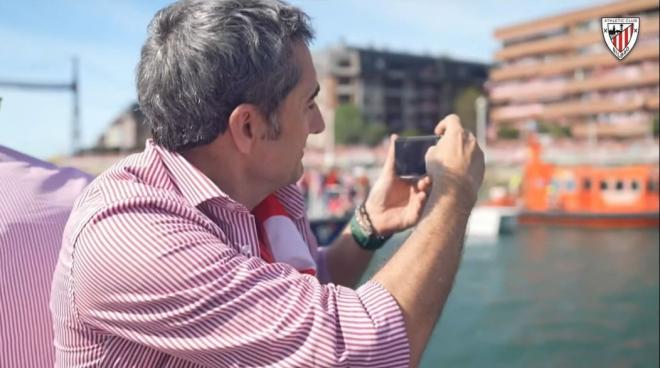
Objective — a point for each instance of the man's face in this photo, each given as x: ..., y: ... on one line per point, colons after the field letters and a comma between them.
x: 298, y: 116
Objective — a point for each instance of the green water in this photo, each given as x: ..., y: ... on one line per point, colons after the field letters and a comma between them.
x: 551, y: 297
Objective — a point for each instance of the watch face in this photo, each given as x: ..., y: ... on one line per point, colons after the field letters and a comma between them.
x: 363, y: 236
x: 363, y: 226
x: 363, y: 220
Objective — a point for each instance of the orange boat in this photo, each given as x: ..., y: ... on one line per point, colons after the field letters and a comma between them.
x: 589, y: 195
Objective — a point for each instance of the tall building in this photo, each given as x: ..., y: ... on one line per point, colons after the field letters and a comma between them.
x: 402, y: 91
x: 126, y: 133
x: 559, y: 71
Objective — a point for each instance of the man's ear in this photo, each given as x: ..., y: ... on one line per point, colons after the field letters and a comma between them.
x: 243, y: 126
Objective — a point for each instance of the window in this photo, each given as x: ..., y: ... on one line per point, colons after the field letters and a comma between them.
x: 603, y: 185
x: 569, y: 185
x: 586, y: 184
x: 652, y: 186
x: 344, y: 80
x: 619, y: 185
x: 344, y: 99
x: 554, y: 185
x: 634, y: 185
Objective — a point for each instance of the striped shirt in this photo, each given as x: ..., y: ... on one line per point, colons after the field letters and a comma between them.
x: 160, y: 268
x: 35, y: 202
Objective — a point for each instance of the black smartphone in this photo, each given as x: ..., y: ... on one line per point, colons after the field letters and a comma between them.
x: 409, y: 155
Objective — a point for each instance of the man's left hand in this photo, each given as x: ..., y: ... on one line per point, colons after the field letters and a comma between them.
x: 395, y: 204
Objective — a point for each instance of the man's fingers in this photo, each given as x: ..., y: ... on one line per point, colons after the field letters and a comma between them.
x: 416, y: 204
x: 450, y: 122
x: 388, y: 168
x: 423, y: 184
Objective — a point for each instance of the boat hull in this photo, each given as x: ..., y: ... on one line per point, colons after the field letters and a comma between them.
x: 592, y: 220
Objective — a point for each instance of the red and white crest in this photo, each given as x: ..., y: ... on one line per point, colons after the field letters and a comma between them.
x: 620, y: 35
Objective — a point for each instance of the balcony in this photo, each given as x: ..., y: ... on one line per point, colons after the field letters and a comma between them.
x: 572, y: 109
x: 641, y: 52
x: 565, y: 20
x: 629, y: 130
x: 537, y: 91
x: 648, y: 27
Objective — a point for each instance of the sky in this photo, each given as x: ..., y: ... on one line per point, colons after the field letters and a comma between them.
x: 38, y: 40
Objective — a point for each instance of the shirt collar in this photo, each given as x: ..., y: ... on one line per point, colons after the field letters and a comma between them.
x: 196, y: 187
x: 293, y: 200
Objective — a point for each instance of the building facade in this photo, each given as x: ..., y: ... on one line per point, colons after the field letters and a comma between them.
x: 402, y: 91
x: 559, y: 71
x: 126, y: 133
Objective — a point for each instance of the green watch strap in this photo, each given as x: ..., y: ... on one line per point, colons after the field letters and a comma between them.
x: 366, y: 239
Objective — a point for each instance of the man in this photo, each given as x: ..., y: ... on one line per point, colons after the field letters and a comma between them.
x: 197, y: 252
x: 36, y: 200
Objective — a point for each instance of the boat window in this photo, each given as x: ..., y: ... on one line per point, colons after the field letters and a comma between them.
x: 586, y: 184
x: 619, y: 185
x: 554, y: 185
x: 652, y: 186
x: 634, y: 185
x: 569, y: 185
x: 603, y: 185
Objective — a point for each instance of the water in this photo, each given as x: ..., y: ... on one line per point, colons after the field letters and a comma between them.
x: 551, y: 297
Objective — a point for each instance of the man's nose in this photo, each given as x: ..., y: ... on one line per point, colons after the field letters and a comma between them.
x: 317, y: 125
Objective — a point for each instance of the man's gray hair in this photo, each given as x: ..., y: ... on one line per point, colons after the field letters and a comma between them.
x: 203, y: 58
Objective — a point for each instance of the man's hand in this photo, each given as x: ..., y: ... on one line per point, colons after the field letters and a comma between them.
x: 455, y: 164
x: 395, y: 204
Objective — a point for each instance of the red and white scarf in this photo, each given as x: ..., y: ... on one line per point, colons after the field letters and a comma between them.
x: 279, y: 239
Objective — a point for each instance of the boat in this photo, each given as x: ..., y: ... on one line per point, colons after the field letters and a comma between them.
x: 495, y: 216
x: 328, y: 229
x: 587, y: 194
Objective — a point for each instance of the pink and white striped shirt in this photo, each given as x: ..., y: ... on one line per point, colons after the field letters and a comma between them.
x: 160, y: 268
x: 35, y: 202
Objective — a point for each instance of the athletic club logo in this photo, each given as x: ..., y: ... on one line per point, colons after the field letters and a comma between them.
x: 620, y: 35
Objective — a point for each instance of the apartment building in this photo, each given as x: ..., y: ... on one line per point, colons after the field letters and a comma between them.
x: 403, y: 91
x: 558, y: 70
x: 126, y: 133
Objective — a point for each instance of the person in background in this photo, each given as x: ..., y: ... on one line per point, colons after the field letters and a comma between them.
x: 36, y: 199
x: 198, y: 252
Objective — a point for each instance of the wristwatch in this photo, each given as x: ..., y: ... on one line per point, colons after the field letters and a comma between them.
x: 363, y: 231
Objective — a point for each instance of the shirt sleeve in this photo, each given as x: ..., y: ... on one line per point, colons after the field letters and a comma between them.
x: 169, y: 283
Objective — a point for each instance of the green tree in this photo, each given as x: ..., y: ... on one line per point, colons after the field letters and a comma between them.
x: 464, y: 107
x: 410, y: 132
x: 555, y: 130
x: 506, y: 131
x: 374, y: 134
x: 349, y: 125
x: 656, y: 126
x: 543, y: 127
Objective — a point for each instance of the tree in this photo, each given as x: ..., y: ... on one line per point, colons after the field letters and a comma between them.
x: 410, y: 132
x: 508, y: 132
x: 374, y: 134
x: 656, y: 126
x: 349, y: 125
x: 464, y: 107
x: 555, y: 130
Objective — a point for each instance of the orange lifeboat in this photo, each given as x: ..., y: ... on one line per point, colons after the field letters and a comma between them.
x: 589, y: 195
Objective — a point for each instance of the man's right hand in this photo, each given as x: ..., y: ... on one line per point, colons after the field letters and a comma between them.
x: 455, y: 164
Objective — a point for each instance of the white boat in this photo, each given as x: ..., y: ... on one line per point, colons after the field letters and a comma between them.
x: 491, y: 221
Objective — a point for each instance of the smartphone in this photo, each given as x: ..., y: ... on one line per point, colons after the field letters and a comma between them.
x: 409, y: 155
